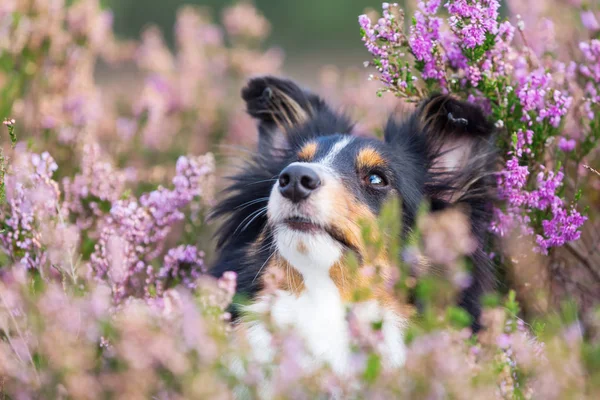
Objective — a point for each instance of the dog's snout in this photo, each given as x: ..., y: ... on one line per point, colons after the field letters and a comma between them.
x: 297, y: 182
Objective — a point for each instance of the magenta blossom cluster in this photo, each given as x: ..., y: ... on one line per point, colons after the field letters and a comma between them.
x: 472, y: 53
x: 473, y: 20
x: 523, y: 204
x: 135, y: 231
x: 424, y: 41
x: 540, y: 101
x: 471, y: 24
x: 385, y: 41
x: 590, y: 70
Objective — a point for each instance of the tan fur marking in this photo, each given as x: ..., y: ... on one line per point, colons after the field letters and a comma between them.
x: 427, y: 116
x: 302, y: 249
x: 369, y: 158
x: 358, y: 286
x: 308, y: 151
x: 289, y: 111
x: 370, y: 280
x: 348, y: 216
x: 258, y: 244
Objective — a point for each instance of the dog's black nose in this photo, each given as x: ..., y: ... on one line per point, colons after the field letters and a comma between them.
x: 297, y: 182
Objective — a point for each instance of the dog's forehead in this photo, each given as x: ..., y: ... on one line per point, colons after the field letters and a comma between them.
x: 342, y: 151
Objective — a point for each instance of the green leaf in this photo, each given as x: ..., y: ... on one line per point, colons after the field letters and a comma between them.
x: 87, y: 247
x: 420, y: 65
x: 491, y: 300
x: 591, y: 357
x: 458, y: 317
x: 373, y: 368
x: 512, y: 305
x: 376, y: 326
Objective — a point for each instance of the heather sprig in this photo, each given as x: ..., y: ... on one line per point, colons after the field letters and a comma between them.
x: 10, y: 126
x: 471, y: 53
x: 134, y: 233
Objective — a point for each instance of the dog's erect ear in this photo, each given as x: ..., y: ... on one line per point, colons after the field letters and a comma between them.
x: 457, y: 139
x: 279, y: 105
x: 456, y: 132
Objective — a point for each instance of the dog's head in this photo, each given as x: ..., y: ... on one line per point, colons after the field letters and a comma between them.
x: 313, y: 182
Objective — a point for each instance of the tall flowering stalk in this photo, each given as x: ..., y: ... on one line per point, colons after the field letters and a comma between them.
x: 10, y: 126
x: 32, y: 203
x: 463, y: 47
x: 135, y: 232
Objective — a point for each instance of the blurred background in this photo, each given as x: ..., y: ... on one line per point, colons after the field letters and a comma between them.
x: 312, y: 33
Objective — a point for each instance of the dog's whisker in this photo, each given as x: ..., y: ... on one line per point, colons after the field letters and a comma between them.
x: 274, y: 179
x: 251, y: 202
x: 255, y: 213
x: 259, y: 214
x: 261, y: 268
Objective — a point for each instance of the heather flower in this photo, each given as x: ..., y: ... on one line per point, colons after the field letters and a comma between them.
x: 590, y: 70
x: 522, y: 203
x: 134, y: 232
x: 32, y: 198
x: 447, y: 239
x: 471, y: 20
x: 173, y: 99
x: 243, y: 20
x: 90, y: 194
x: 423, y: 41
x: 538, y: 98
x: 385, y: 41
x: 566, y: 145
x: 183, y: 264
x: 588, y: 19
x: 485, y: 64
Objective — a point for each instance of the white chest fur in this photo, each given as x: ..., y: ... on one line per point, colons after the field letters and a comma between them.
x: 318, y: 316
x: 318, y: 313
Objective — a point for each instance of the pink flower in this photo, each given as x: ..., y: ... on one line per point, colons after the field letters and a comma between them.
x: 566, y: 145
x: 588, y: 19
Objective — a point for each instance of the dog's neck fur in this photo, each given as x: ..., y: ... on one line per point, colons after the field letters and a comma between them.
x: 312, y: 298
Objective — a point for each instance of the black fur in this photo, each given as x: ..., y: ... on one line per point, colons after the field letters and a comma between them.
x: 289, y: 116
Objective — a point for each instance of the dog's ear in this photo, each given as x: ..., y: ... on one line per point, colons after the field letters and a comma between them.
x: 280, y: 106
x: 457, y: 133
x: 457, y: 142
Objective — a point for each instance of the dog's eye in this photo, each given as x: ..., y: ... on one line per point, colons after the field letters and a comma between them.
x: 375, y: 179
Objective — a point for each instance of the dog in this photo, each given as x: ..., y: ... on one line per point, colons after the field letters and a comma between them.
x: 294, y: 207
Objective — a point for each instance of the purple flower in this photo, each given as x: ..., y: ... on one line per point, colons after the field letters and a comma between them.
x: 385, y: 41
x: 97, y: 184
x: 33, y: 201
x: 134, y: 232
x: 423, y: 41
x: 588, y: 19
x: 521, y: 202
x: 590, y: 70
x: 539, y: 99
x: 472, y: 20
x: 184, y: 264
x: 566, y: 145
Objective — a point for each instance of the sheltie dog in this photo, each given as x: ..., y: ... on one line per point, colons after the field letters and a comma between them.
x: 295, y: 207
